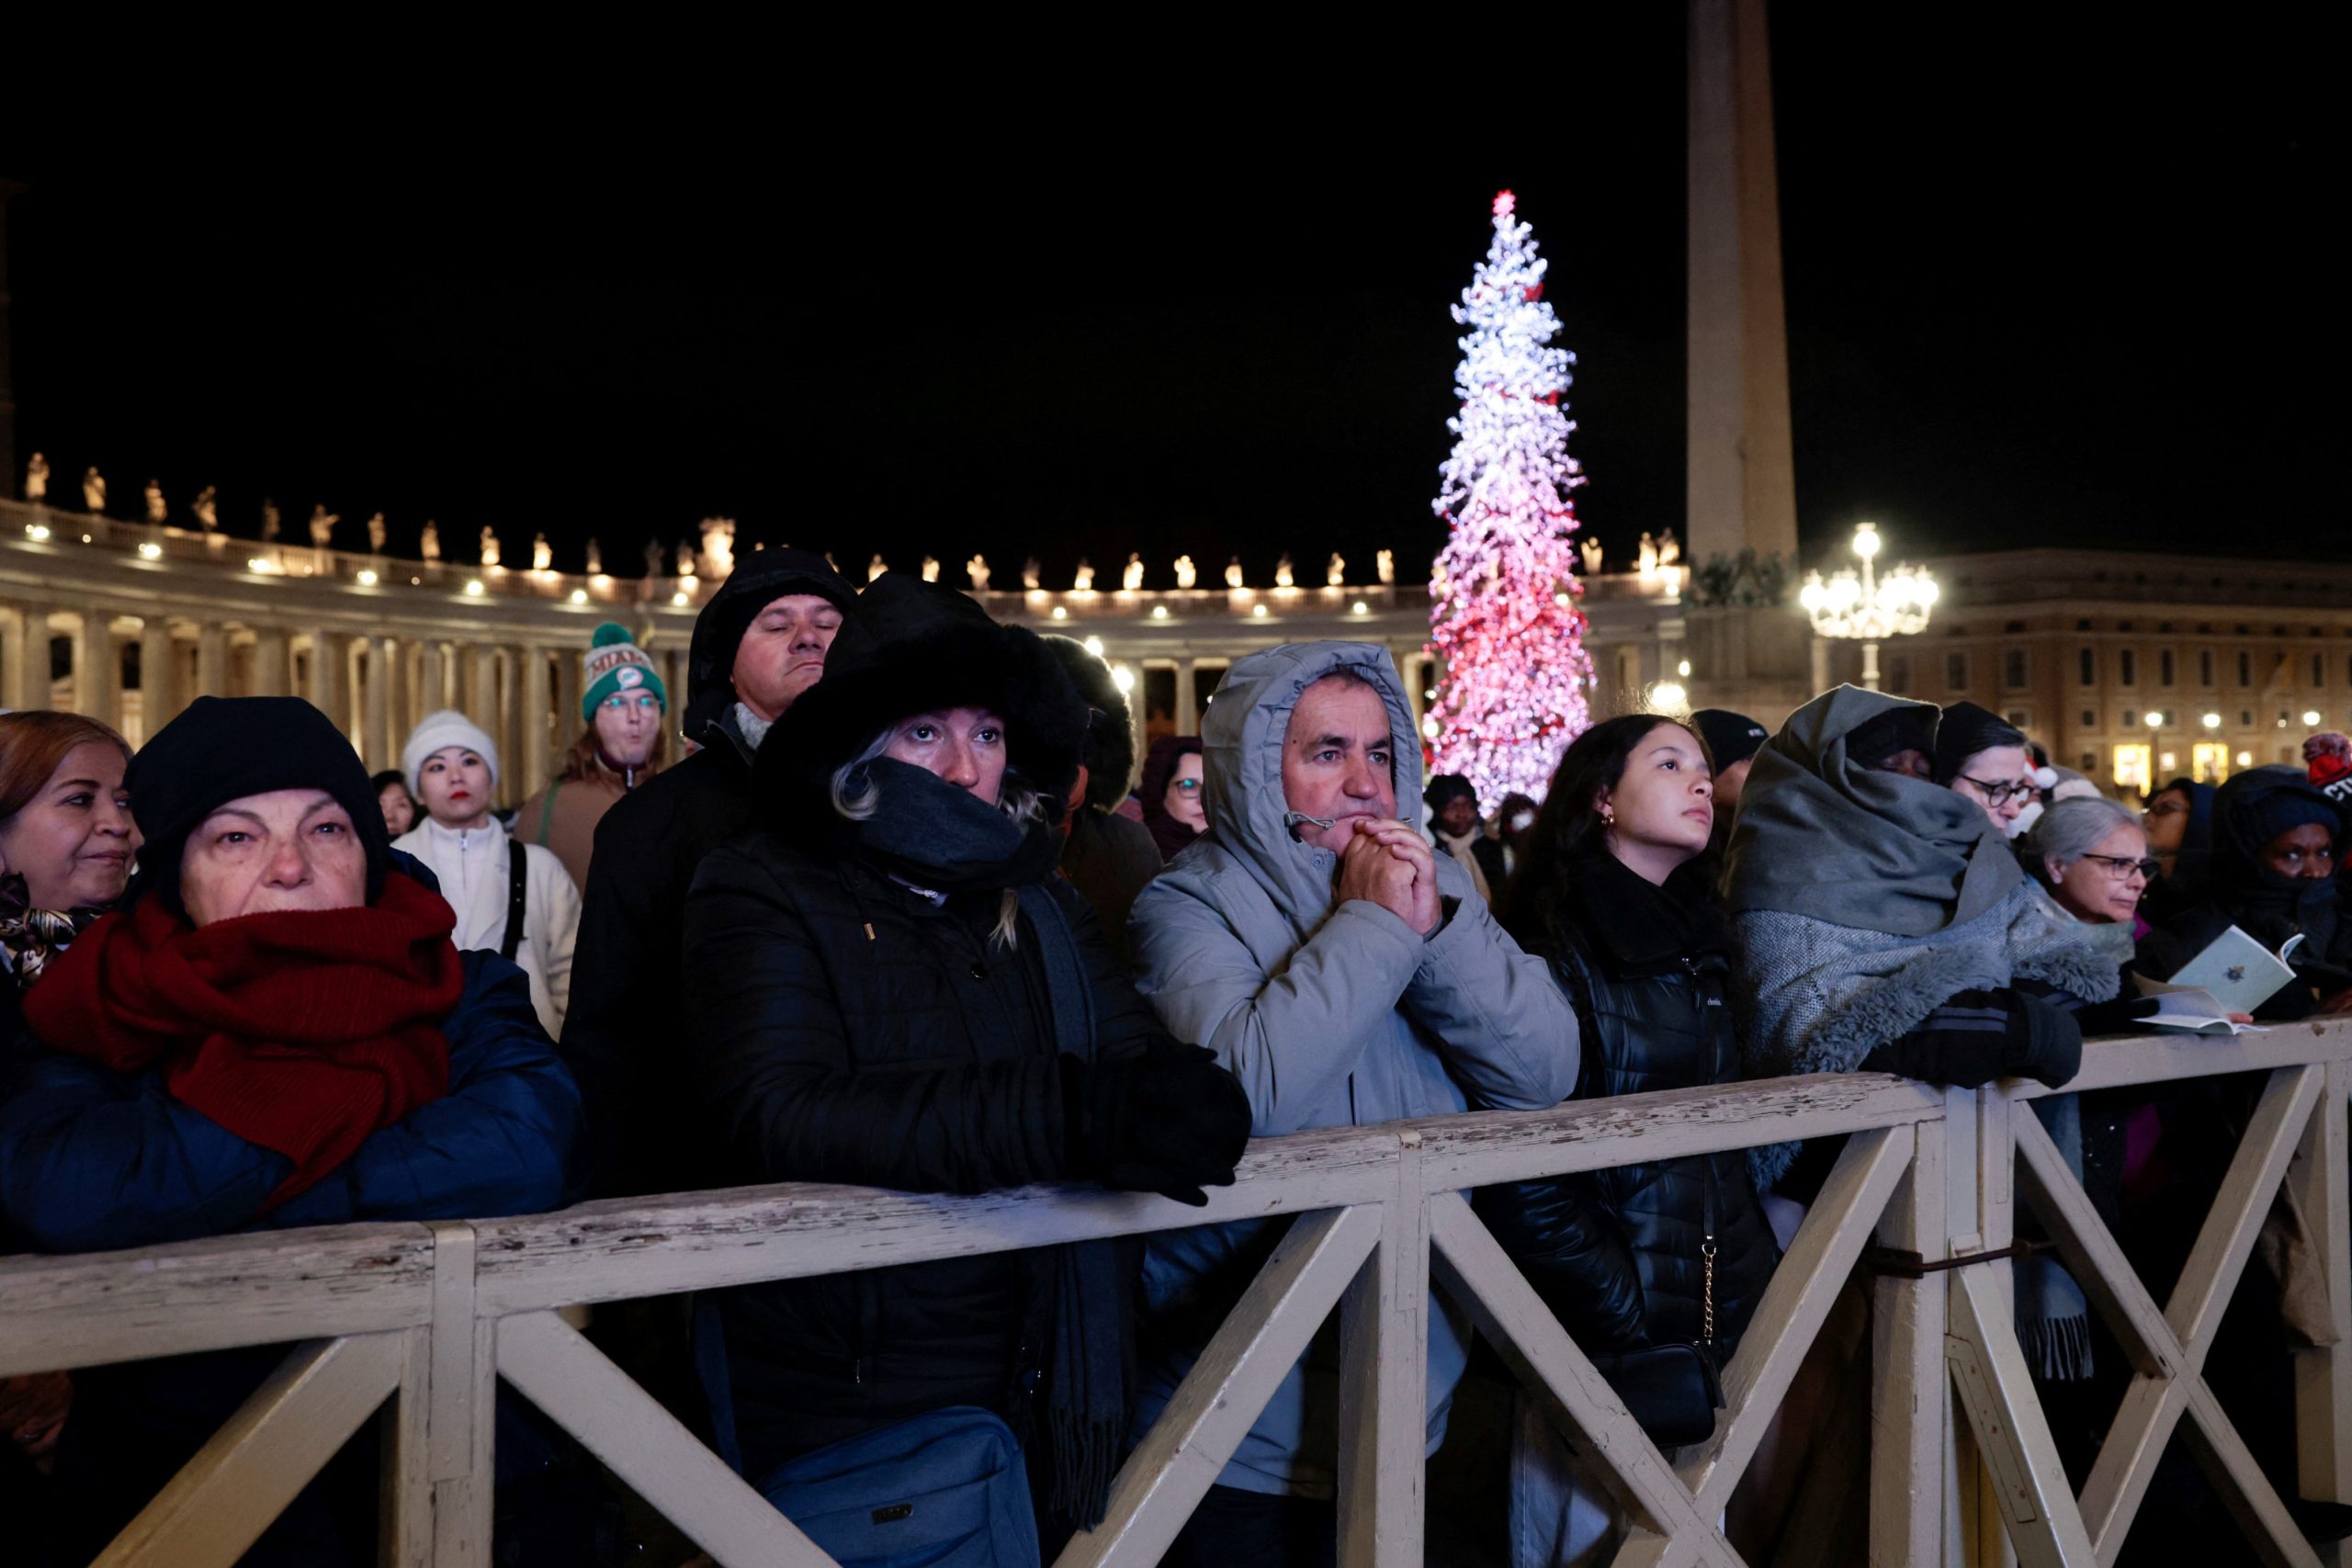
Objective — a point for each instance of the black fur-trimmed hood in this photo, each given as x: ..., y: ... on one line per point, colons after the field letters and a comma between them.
x: 759, y: 580
x: 906, y: 645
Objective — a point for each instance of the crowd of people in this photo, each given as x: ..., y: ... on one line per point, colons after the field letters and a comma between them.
x: 895, y: 919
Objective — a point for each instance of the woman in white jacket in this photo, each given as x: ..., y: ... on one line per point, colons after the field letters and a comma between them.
x: 452, y: 769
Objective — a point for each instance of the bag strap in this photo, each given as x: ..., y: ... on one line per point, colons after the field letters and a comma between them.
x: 518, y: 858
x: 546, y: 812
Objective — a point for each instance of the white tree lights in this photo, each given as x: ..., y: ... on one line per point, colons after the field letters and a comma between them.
x: 1503, y: 599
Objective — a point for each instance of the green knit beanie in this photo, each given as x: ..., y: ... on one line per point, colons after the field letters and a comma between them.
x: 615, y: 663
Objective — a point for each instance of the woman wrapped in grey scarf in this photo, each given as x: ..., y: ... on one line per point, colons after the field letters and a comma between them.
x: 1881, y: 925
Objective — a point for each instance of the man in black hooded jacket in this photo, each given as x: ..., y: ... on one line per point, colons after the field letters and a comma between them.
x: 760, y: 642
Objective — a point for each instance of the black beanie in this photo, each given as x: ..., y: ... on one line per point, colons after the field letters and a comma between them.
x: 1964, y: 730
x: 1910, y: 727
x: 223, y: 749
x: 1447, y: 788
x: 1731, y: 738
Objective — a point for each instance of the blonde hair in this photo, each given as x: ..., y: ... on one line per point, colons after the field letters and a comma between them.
x: 856, y: 798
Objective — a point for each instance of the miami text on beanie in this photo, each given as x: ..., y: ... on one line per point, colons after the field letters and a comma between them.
x: 1964, y: 730
x: 1731, y: 738
x: 224, y: 748
x: 447, y: 728
x: 613, y: 664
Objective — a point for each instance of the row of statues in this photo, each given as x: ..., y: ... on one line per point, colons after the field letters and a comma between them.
x: 1131, y: 576
x: 716, y: 557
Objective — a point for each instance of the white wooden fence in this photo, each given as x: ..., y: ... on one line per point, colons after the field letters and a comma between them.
x: 414, y: 1324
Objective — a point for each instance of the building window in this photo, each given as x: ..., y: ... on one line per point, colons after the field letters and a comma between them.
x: 2127, y: 667
x: 2163, y: 668
x: 2018, y: 718
x: 2090, y: 764
x: 2246, y: 719
x: 1955, y: 671
x: 2131, y: 719
x: 2090, y: 719
x: 2319, y: 671
x: 1898, y: 672
x: 2246, y: 668
x: 2132, y: 767
x: 2013, y: 670
x: 2205, y: 667
x: 2086, y: 668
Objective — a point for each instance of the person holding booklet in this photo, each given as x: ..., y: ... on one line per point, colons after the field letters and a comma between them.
x: 2272, y: 876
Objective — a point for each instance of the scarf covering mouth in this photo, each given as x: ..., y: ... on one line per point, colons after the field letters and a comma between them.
x: 304, y: 1031
x: 946, y: 839
x: 1822, y: 836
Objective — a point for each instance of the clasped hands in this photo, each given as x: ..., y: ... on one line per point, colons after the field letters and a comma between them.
x: 1389, y: 864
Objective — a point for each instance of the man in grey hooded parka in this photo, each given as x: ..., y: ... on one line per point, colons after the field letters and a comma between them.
x: 1330, y: 1013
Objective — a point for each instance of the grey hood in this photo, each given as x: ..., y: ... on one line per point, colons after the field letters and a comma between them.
x: 1242, y: 766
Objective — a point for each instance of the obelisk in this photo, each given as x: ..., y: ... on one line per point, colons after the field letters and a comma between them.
x: 1742, y: 479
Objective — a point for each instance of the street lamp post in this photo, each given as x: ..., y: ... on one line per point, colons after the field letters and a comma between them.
x: 1869, y: 608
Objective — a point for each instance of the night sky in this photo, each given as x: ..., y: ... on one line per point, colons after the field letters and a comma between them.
x: 2052, y: 283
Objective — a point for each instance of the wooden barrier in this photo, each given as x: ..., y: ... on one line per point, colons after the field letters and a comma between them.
x: 417, y: 1322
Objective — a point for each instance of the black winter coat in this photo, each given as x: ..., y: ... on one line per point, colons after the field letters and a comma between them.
x: 1618, y: 1254
x: 628, y: 976
x: 845, y: 1029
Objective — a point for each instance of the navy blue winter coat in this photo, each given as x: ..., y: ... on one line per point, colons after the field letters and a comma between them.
x: 92, y: 1160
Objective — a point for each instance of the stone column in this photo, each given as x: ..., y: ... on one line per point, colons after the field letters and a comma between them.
x: 1188, y: 702
x: 97, y: 669
x: 538, y: 700
x: 327, y: 686
x: 567, y: 702
x: 431, y: 681
x: 1742, y: 485
x: 273, y: 663
x: 481, y: 686
x: 1820, y: 662
x: 211, y: 660
x: 24, y: 659
x: 378, y: 750
x: 158, y: 663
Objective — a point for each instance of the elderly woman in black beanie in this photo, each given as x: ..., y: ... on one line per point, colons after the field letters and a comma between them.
x: 890, y: 986
x: 275, y: 1031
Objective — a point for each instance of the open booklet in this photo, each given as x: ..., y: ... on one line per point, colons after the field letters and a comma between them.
x: 2235, y: 974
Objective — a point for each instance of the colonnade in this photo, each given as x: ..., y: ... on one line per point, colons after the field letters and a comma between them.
x: 524, y: 693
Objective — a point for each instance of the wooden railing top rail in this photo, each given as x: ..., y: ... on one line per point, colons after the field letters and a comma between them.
x: 269, y: 1287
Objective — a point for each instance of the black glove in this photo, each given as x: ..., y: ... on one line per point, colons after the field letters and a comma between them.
x: 1170, y: 1120
x: 1977, y: 1036
x: 2113, y: 1018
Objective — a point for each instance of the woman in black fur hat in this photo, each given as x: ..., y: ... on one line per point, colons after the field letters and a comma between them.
x: 890, y: 986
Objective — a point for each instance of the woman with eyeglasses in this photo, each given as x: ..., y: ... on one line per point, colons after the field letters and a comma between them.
x: 624, y: 706
x: 2092, y: 854
x: 1982, y: 758
x: 2272, y: 874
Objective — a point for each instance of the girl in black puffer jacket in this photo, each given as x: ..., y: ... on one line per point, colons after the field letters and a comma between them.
x: 1678, y: 1249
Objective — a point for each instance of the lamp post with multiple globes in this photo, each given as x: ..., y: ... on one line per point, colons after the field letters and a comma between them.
x: 1869, y: 608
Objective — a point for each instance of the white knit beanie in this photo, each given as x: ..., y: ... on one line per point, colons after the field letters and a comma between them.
x: 447, y: 728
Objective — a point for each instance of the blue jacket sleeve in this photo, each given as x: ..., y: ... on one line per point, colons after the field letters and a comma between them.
x: 499, y: 1143
x: 93, y: 1159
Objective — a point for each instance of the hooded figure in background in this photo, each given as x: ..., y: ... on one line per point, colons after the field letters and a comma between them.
x: 2276, y: 842
x: 760, y: 642
x: 894, y: 987
x: 1454, y: 825
x: 2179, y: 820
x: 1107, y: 857
x: 1281, y: 941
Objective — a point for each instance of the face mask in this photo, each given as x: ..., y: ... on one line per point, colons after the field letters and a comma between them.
x: 1521, y: 821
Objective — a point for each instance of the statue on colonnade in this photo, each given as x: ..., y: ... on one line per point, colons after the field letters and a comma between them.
x: 270, y: 522
x: 490, y: 553
x: 37, y: 478
x: 323, y: 524
x: 207, y: 508
x: 977, y: 569
x: 93, y: 489
x: 718, y: 546
x: 156, y: 509
x: 542, y: 553
x: 377, y: 531
x: 1186, y: 572
x: 428, y: 542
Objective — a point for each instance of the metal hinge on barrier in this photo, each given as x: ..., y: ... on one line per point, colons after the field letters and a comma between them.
x: 1911, y: 1266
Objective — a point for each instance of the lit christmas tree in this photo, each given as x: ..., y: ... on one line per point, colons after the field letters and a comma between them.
x: 1503, y: 599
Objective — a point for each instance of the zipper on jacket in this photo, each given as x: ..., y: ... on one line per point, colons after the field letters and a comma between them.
x: 1707, y: 1250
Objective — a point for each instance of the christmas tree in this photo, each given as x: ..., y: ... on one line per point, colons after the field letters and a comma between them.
x: 1503, y: 598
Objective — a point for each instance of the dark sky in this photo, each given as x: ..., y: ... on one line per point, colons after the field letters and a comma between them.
x: 2043, y: 286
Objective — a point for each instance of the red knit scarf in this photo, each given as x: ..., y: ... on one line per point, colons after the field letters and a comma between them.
x: 301, y: 1031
